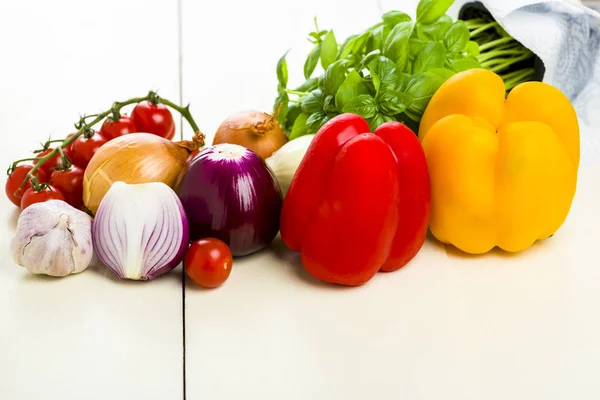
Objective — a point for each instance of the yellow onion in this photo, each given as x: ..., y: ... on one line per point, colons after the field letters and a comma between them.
x: 136, y: 158
x: 254, y: 130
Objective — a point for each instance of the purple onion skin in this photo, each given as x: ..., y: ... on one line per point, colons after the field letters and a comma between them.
x: 229, y: 193
x: 185, y: 242
x: 107, y: 254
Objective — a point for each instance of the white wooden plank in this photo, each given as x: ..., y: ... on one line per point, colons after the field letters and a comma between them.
x: 87, y: 336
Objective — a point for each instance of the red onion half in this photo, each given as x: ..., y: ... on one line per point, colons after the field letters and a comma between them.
x: 140, y: 230
x: 229, y: 193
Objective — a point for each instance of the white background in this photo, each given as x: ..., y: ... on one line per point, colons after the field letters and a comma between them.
x: 446, y: 326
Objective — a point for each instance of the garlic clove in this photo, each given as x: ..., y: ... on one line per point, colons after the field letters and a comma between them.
x: 53, y: 239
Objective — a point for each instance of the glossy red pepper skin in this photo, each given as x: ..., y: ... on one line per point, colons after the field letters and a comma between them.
x: 359, y: 202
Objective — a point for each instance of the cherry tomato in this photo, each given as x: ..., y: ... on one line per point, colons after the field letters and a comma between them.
x: 70, y: 183
x: 52, y: 163
x: 155, y: 119
x: 17, y: 177
x: 208, y: 262
x: 123, y: 126
x: 47, y: 193
x: 84, y: 149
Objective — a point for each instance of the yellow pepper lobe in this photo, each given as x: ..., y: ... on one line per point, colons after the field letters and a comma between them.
x: 461, y: 158
x: 478, y: 93
x: 535, y: 184
x: 503, y: 172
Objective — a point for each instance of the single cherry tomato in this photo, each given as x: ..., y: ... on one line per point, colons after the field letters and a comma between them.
x: 47, y: 193
x: 49, y: 165
x: 84, y: 149
x: 153, y: 118
x: 111, y: 129
x: 15, y: 180
x: 208, y: 262
x: 70, y: 183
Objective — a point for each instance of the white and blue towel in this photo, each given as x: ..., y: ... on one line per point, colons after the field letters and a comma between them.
x: 565, y: 35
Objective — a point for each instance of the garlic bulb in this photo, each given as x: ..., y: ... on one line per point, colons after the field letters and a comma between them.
x: 53, y: 238
x: 285, y: 161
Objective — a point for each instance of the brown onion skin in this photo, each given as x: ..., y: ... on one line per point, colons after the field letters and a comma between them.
x: 254, y: 130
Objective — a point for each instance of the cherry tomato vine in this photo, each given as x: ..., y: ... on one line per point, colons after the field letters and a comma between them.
x: 85, y: 128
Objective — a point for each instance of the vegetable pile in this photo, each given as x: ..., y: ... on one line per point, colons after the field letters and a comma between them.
x: 412, y: 126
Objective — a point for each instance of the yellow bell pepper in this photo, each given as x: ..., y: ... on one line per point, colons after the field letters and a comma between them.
x: 503, y: 170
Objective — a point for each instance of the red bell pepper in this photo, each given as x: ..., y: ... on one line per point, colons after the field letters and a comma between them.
x: 359, y: 202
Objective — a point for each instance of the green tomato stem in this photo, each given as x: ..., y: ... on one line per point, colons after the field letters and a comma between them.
x: 184, y: 111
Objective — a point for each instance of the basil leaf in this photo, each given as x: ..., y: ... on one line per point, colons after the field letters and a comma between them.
x: 416, y: 46
x: 344, y: 45
x: 308, y: 85
x: 368, y: 58
x: 432, y: 56
x: 379, y: 119
x: 443, y: 73
x: 300, y: 127
x: 352, y: 87
x: 333, y: 77
x: 472, y: 48
x: 312, y: 60
x: 356, y: 45
x: 435, y: 31
x: 329, y: 50
x: 313, y: 102
x: 294, y: 111
x: 457, y: 37
x: 392, y: 102
x: 316, y: 121
x: 461, y: 63
x: 402, y: 81
x: 318, y: 35
x: 429, y: 11
x: 396, y: 44
x: 329, y: 104
x: 379, y: 33
x: 383, y: 72
x: 281, y: 107
x: 282, y: 71
x: 393, y: 18
x: 363, y: 105
x: 421, y: 88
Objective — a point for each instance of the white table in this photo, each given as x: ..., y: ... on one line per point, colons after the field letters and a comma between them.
x: 446, y: 326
